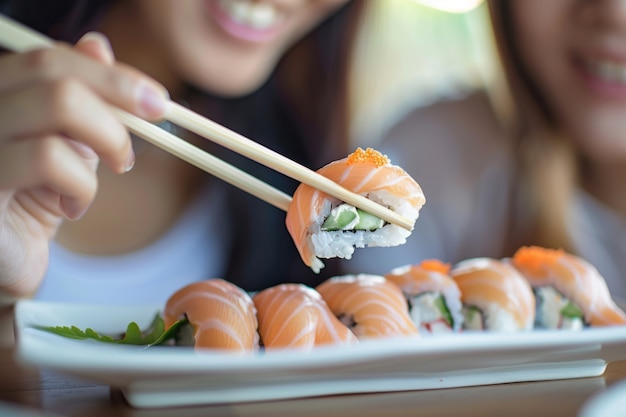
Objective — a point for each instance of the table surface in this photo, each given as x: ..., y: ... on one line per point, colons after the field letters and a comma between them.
x: 51, y: 394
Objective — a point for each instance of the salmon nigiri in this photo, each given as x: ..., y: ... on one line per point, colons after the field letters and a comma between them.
x: 495, y: 295
x: 434, y: 298
x: 325, y: 227
x: 570, y: 291
x: 369, y: 304
x: 222, y: 315
x: 296, y: 316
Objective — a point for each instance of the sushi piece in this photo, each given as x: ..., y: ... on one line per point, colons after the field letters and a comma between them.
x: 296, y: 316
x: 369, y: 305
x: 325, y: 227
x: 221, y: 315
x: 495, y: 296
x: 434, y: 298
x: 570, y: 292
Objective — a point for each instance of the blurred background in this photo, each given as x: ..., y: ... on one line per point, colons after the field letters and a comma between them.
x: 413, y: 52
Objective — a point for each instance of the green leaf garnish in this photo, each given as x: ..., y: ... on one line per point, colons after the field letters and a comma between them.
x: 171, y: 332
x: 154, y: 334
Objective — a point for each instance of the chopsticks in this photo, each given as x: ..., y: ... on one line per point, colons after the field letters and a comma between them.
x: 204, y: 160
x: 206, y: 128
x: 19, y: 38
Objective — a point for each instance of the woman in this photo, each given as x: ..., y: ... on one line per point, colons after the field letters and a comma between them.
x: 572, y: 148
x: 272, y: 71
x: 539, y: 157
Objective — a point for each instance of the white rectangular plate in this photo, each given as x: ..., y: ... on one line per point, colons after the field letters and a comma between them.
x: 169, y: 376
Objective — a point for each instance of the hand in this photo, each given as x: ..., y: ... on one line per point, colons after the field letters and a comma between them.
x: 55, y: 126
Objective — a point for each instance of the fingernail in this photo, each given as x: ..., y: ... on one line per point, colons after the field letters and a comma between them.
x: 86, y: 152
x: 107, y: 49
x: 71, y: 212
x: 80, y: 214
x: 83, y: 149
x: 152, y: 101
x: 130, y: 163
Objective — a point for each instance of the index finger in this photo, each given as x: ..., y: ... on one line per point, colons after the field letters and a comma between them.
x: 119, y: 85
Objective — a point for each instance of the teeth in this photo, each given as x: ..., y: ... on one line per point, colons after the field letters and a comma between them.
x: 256, y: 15
x: 608, y: 71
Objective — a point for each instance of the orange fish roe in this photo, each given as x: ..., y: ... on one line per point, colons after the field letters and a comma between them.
x: 435, y: 266
x: 369, y: 155
x: 534, y: 257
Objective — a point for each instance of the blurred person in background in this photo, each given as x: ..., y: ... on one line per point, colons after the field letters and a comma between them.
x: 537, y: 158
x: 274, y: 71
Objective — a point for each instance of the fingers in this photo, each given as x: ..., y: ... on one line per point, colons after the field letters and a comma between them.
x: 117, y: 84
x: 56, y: 122
x: 67, y: 107
x: 96, y: 46
x: 51, y: 163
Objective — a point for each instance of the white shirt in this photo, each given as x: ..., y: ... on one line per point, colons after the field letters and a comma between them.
x: 194, y: 249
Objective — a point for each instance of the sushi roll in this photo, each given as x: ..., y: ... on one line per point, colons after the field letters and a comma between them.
x: 295, y: 316
x: 325, y: 227
x: 369, y: 305
x: 221, y: 315
x: 434, y: 298
x: 570, y: 292
x: 495, y: 296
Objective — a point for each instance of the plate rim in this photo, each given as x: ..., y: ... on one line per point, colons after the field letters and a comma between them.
x: 135, y: 365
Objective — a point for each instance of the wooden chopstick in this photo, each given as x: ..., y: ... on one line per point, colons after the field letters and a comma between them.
x: 225, y: 137
x: 20, y: 38
x: 204, y: 160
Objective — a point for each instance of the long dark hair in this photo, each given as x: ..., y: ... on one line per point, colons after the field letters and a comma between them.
x: 301, y: 111
x: 546, y: 161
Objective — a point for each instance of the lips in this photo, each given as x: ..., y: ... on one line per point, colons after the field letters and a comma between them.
x: 247, y: 20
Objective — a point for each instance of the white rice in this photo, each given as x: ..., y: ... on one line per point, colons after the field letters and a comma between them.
x: 342, y: 243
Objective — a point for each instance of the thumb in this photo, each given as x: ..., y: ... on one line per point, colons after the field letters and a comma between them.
x: 97, y: 46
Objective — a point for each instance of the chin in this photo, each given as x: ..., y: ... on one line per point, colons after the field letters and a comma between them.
x: 233, y: 87
x: 612, y: 152
x: 230, y: 78
x: 608, y: 148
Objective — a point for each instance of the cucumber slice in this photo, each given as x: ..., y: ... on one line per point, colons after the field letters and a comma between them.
x: 368, y: 221
x: 474, y: 319
x: 342, y: 217
x: 347, y: 217
x: 572, y: 311
x: 441, y: 305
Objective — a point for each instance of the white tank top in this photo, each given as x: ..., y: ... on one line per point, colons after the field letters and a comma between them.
x: 194, y: 249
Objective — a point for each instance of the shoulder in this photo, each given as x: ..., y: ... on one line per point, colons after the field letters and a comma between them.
x: 463, y: 130
x: 462, y: 158
x: 450, y: 144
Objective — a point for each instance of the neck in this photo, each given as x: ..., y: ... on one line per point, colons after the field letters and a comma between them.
x: 133, y: 44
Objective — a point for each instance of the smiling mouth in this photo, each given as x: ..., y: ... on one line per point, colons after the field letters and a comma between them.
x: 254, y: 15
x: 607, y: 71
